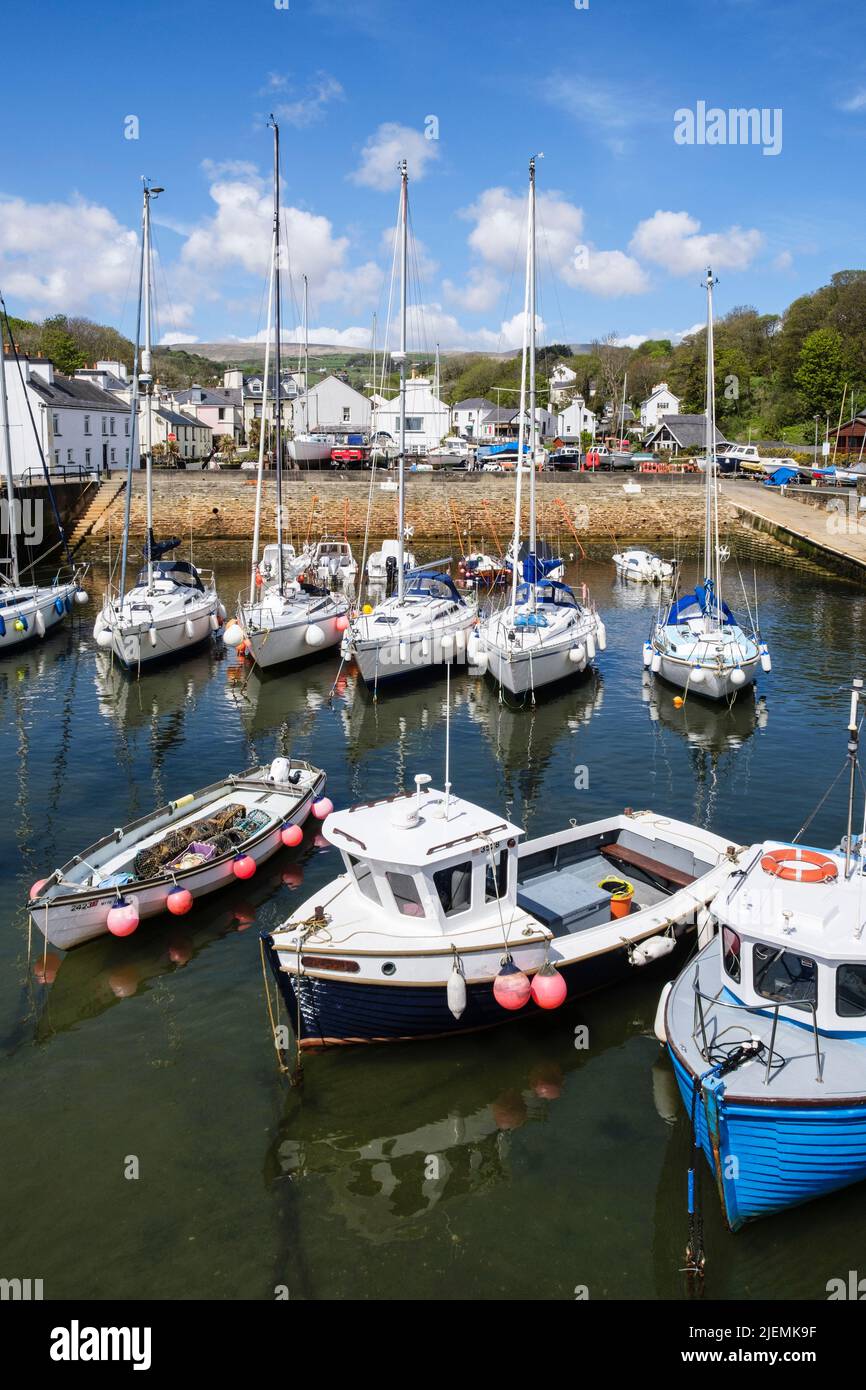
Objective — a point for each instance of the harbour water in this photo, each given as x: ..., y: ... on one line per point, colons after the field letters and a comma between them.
x: 513, y: 1164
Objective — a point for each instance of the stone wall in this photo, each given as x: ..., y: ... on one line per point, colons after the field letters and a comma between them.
x: 219, y: 508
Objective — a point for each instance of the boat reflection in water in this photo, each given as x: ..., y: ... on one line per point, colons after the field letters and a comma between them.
x: 173, y: 689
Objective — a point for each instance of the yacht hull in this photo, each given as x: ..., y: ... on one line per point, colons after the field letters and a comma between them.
x: 284, y: 643
x: 137, y: 642
x: 717, y: 684
x: 411, y: 653
x: 38, y: 610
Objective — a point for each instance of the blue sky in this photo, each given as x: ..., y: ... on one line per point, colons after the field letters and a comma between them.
x: 355, y: 83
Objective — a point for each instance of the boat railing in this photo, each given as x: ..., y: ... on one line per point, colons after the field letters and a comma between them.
x: 700, y: 1025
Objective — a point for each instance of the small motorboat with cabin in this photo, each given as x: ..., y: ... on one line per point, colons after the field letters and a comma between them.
x: 766, y: 1027
x: 377, y: 562
x: 333, y: 563
x: 644, y: 566
x: 183, y: 851
x: 442, y: 922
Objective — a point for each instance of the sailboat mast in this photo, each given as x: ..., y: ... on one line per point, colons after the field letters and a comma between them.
x: 712, y: 564
x: 306, y: 358
x: 278, y: 328
x: 532, y: 421
x: 6, y: 445
x: 260, y: 472
x: 521, y: 430
x: 133, y: 413
x: 401, y: 476
x: 147, y: 379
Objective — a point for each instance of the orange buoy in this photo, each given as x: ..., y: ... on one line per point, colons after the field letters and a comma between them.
x: 178, y: 900
x: 243, y: 866
x: 511, y: 988
x: 548, y: 988
x: 291, y: 835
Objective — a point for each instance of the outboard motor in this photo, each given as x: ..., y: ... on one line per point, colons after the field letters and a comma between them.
x: 390, y: 575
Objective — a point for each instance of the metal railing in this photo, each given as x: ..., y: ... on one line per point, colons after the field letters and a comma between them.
x: 700, y: 1023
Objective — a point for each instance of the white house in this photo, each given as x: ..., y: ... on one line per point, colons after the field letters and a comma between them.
x: 194, y: 439
x: 332, y: 406
x: 428, y: 419
x: 545, y: 422
x: 109, y: 376
x: 561, y: 383
x: 79, y: 425
x: 575, y: 420
x: 660, y: 401
x: 218, y: 407
x: 467, y: 416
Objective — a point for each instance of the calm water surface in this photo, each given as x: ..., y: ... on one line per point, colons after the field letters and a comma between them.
x: 557, y: 1167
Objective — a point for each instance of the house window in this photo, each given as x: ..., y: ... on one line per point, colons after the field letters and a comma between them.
x: 851, y: 991
x: 405, y: 894
x: 126, y: 428
x: 114, y: 456
x: 126, y: 460
x: 87, y: 424
x: 87, y: 457
x: 415, y: 423
x: 222, y: 413
x: 731, y: 954
x: 68, y: 455
x: 347, y: 414
x: 784, y: 976
x: 57, y: 458
x: 56, y: 423
x: 454, y: 886
x: 104, y: 425
x: 112, y: 424
x: 364, y: 878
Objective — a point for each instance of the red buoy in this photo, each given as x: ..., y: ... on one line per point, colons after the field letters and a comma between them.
x: 323, y: 807
x: 243, y: 866
x: 548, y: 987
x: 291, y: 835
x: 511, y: 988
x: 122, y: 918
x: 342, y: 623
x: 37, y: 887
x: 178, y: 900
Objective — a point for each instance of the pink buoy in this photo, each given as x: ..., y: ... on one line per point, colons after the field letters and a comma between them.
x: 178, y: 901
x: 323, y: 807
x: 511, y: 988
x: 36, y: 888
x: 342, y: 623
x: 291, y: 835
x: 548, y: 987
x: 243, y: 866
x: 122, y: 918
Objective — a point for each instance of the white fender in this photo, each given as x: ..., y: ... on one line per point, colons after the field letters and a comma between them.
x: 39, y: 623
x: 151, y: 632
x: 738, y: 676
x: 766, y: 663
x: 403, y: 653
x: 601, y: 632
x: 103, y: 638
x: 696, y: 675
x: 577, y: 654
x: 656, y: 663
x: 654, y: 948
x: 189, y: 629
x: 214, y: 622
x: 221, y: 612
x: 590, y: 647
x: 647, y: 654
x: 82, y: 596
x: 659, y: 1025
x: 447, y: 647
x: 233, y: 635
x: 456, y: 992
x: 314, y: 636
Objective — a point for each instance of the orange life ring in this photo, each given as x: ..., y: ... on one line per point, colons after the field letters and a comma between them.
x: 800, y: 865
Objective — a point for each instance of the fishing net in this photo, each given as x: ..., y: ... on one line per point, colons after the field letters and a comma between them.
x: 216, y: 830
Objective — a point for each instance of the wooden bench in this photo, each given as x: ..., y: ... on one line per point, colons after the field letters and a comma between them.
x: 621, y: 855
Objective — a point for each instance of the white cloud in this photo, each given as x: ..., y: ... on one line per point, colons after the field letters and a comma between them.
x: 312, y: 104
x: 481, y: 293
x: 423, y: 260
x: 674, y: 240
x: 73, y: 257
x: 633, y: 340
x: 856, y: 102
x: 784, y: 261
x: 607, y: 273
x: 499, y: 233
x: 604, y: 107
x: 383, y: 151
x: 177, y: 339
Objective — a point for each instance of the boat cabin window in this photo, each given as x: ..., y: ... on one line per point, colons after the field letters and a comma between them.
x: 364, y: 878
x: 784, y: 976
x: 454, y: 886
x: 496, y: 883
x: 731, y: 954
x: 851, y: 991
x: 405, y: 894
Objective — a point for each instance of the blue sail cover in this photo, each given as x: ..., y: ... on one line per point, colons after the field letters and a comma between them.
x: 781, y: 476
x: 538, y: 567
x: 548, y: 591
x: 427, y: 585
x: 701, y: 603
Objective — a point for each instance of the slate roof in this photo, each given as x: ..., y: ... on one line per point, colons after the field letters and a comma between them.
x: 70, y: 393
x: 211, y: 395
x: 686, y: 430
x: 174, y: 418
x: 474, y: 403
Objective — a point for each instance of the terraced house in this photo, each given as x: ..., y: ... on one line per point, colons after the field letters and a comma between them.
x: 79, y: 426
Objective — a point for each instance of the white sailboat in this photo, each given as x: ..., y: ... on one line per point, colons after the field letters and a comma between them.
x: 286, y: 618
x: 304, y: 446
x: 697, y: 643
x: 427, y: 621
x: 27, y: 611
x: 543, y: 635
x: 173, y: 606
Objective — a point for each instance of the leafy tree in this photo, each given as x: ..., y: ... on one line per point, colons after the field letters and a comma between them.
x: 58, y: 344
x: 820, y: 371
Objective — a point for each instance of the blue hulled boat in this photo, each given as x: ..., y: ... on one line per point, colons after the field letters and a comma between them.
x: 766, y: 1027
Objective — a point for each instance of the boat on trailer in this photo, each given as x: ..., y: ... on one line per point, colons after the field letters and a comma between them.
x: 181, y: 852
x: 766, y: 1027
x: 441, y: 913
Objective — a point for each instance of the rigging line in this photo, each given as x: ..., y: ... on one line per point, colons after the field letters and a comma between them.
x: 61, y: 531
x: 805, y: 826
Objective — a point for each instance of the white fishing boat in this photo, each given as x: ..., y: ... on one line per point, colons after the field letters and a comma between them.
x: 173, y: 606
x: 289, y: 616
x: 453, y: 452
x: 27, y: 611
x: 644, y: 566
x: 179, y: 853
x: 333, y: 563
x: 311, y: 448
x: 542, y: 635
x: 426, y: 622
x: 378, y: 567
x: 442, y: 922
x: 696, y: 642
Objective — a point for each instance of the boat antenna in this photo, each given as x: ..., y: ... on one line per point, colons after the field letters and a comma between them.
x: 853, y: 740
x: 278, y: 403
x: 133, y: 407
